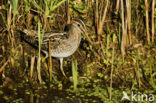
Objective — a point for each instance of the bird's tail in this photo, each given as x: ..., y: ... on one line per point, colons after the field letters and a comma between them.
x: 29, y: 36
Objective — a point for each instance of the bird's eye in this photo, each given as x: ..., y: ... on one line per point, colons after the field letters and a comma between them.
x: 78, y: 25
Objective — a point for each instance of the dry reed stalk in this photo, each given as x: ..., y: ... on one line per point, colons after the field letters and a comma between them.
x: 9, y: 17
x: 153, y: 5
x: 50, y: 61
x: 39, y: 70
x: 128, y: 2
x: 147, y: 22
x: 13, y: 37
x: 124, y: 31
x: 32, y: 66
x: 101, y: 22
x: 117, y: 5
x: 3, y: 50
x: 68, y: 13
x: 4, y: 65
x: 21, y: 51
x: 12, y: 61
x: 96, y: 15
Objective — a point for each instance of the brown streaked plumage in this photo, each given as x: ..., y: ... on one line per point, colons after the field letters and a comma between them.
x: 63, y: 44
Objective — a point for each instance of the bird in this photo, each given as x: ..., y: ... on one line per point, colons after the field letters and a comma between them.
x: 63, y: 43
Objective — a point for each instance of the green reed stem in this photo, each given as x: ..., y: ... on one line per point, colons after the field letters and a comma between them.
x: 75, y: 74
x: 107, y: 43
x: 39, y: 53
x: 15, y: 10
x: 112, y: 67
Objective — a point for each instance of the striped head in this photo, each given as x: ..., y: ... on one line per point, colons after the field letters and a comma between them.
x: 79, y: 24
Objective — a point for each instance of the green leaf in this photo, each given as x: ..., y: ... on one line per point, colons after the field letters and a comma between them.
x: 57, y: 5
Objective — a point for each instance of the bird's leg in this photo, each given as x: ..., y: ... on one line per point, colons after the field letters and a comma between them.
x: 61, y: 67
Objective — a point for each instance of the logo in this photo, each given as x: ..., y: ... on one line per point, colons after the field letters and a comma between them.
x: 137, y: 96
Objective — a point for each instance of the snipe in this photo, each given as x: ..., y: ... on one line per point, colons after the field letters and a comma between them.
x: 63, y: 44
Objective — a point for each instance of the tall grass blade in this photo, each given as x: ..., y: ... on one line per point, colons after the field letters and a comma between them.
x: 15, y: 11
x: 112, y: 67
x: 57, y: 5
x: 75, y: 74
x: 27, y: 6
x: 39, y: 53
x: 37, y: 6
x: 47, y: 7
x: 14, y: 6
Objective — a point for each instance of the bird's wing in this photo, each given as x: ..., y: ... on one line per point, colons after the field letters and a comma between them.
x: 55, y: 38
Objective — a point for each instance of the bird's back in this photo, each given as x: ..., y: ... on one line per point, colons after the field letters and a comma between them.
x: 63, y: 44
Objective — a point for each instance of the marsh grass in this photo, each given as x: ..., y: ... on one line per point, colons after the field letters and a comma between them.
x: 112, y: 66
x: 40, y: 38
x: 14, y: 9
x: 50, y: 5
x: 98, y: 60
x: 75, y: 74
